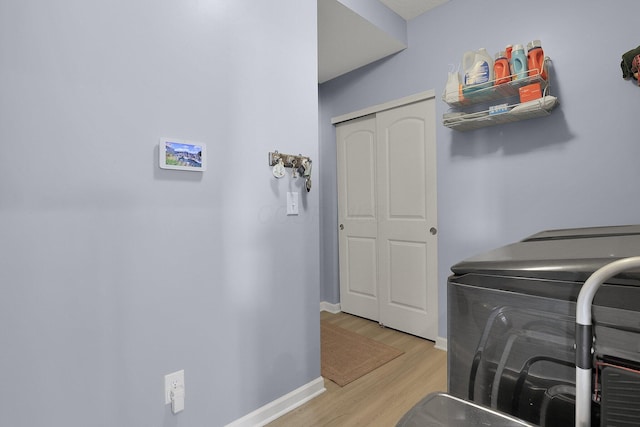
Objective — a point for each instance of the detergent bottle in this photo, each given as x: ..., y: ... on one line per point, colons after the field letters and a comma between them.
x: 468, y: 59
x: 535, y: 59
x: 518, y: 62
x: 501, y: 69
x: 478, y: 67
x: 507, y: 51
x: 482, y: 56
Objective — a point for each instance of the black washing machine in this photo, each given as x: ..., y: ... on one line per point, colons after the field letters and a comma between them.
x: 511, y: 327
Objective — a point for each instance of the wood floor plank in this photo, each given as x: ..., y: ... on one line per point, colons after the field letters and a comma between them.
x: 381, y: 397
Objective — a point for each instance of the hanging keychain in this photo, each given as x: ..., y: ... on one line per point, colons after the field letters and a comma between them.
x: 278, y: 169
x: 307, y: 174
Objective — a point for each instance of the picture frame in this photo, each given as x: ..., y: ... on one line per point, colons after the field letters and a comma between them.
x: 183, y: 155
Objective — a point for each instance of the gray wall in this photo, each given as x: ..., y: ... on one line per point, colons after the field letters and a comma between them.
x: 577, y: 167
x: 114, y: 272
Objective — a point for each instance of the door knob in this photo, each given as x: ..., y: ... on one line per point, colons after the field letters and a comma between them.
x: 433, y: 231
x: 341, y: 226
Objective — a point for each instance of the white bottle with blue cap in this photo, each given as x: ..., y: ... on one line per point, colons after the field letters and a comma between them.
x: 518, y: 62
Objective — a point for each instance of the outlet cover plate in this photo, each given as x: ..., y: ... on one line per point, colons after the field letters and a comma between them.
x: 292, y: 203
x: 172, y: 381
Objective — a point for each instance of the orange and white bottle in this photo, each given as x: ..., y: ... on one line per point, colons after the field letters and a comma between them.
x: 535, y: 59
x: 501, y: 71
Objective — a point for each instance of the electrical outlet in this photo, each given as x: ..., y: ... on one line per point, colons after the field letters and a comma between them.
x: 292, y: 203
x: 172, y: 382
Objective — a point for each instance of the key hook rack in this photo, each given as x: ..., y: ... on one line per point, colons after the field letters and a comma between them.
x: 289, y: 160
x: 300, y: 165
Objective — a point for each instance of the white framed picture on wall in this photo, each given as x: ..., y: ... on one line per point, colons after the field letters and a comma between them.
x: 182, y: 155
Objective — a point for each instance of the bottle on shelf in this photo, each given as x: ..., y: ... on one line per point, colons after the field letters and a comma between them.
x: 452, y: 89
x: 507, y: 51
x: 535, y: 59
x: 468, y: 59
x: 518, y: 62
x: 482, y: 56
x: 478, y: 67
x: 501, y: 69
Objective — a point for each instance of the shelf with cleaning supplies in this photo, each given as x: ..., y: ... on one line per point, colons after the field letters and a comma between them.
x: 462, y: 119
x: 300, y: 166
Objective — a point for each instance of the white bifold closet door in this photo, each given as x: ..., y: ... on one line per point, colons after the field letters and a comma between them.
x: 387, y: 218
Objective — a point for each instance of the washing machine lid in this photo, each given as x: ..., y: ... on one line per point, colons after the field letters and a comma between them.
x: 444, y: 410
x: 567, y: 254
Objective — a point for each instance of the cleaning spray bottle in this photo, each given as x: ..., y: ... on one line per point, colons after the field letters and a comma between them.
x: 452, y: 89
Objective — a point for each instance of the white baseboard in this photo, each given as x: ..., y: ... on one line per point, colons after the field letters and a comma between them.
x: 441, y: 343
x: 331, y: 308
x: 279, y: 407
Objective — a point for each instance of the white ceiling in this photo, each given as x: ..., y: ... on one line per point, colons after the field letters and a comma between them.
x: 409, y: 9
x: 347, y: 41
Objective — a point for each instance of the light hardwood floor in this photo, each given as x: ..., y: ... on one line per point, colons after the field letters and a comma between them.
x: 381, y: 397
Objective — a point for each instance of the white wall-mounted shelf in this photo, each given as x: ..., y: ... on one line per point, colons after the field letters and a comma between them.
x: 464, y: 120
x: 528, y: 110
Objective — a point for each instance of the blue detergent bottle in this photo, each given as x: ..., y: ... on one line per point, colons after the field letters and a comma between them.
x: 518, y: 62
